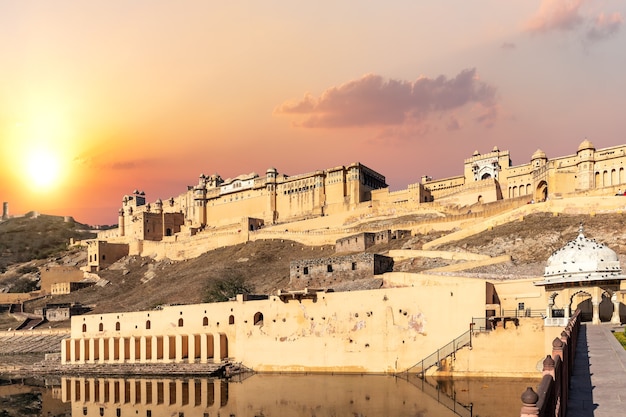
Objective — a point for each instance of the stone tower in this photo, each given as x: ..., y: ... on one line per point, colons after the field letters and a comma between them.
x: 5, y: 210
x: 271, y: 177
x: 586, y: 164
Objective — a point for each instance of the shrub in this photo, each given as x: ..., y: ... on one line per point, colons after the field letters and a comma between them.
x: 225, y: 288
x: 24, y: 285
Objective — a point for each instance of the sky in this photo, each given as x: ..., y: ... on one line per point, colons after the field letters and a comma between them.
x: 100, y: 98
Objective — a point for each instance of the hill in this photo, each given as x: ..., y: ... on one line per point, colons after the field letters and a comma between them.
x: 33, y: 236
x: 137, y: 283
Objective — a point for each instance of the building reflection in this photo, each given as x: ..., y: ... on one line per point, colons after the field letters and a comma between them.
x: 144, y: 397
x: 258, y: 395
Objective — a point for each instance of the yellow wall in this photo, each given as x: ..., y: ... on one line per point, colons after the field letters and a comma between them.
x: 385, y: 330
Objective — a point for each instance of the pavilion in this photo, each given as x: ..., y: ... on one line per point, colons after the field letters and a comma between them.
x: 583, y: 268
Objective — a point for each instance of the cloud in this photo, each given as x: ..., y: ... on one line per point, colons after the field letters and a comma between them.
x: 563, y: 15
x: 604, y: 26
x: 508, y: 45
x: 566, y: 15
x: 373, y: 101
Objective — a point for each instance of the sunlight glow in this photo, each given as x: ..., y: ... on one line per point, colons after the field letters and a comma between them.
x: 43, y: 169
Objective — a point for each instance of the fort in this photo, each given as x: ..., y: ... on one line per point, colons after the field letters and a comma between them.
x: 217, y: 212
x: 394, y: 328
x: 442, y: 320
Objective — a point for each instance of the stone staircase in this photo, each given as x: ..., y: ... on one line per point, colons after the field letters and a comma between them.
x: 52, y: 364
x: 18, y: 344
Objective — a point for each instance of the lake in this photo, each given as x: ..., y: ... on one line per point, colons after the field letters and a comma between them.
x: 261, y: 395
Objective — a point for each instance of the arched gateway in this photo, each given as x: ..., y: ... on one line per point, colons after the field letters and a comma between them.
x: 580, y: 271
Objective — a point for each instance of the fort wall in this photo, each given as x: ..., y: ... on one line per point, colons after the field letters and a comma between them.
x: 325, y: 272
x: 528, y: 355
x: 58, y: 274
x: 375, y: 331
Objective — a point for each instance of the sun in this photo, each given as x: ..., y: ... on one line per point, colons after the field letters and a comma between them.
x: 43, y: 168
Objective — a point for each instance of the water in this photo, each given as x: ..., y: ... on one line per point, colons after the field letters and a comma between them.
x: 261, y: 395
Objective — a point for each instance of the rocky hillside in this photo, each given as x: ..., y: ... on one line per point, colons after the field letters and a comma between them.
x: 263, y: 267
x: 531, y: 241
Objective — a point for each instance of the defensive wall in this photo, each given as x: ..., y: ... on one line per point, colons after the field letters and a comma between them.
x: 18, y: 298
x: 524, y: 343
x: 375, y: 331
x: 326, y: 272
x: 52, y: 275
x: 386, y: 330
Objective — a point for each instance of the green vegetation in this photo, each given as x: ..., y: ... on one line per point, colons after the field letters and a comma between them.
x: 23, y: 285
x: 621, y: 337
x: 26, y: 238
x: 227, y: 287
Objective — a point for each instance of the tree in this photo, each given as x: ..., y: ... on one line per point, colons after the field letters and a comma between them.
x: 227, y: 287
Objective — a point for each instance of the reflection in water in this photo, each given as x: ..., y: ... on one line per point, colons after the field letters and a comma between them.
x: 275, y: 395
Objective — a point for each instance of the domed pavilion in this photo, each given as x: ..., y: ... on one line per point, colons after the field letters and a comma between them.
x: 582, y: 268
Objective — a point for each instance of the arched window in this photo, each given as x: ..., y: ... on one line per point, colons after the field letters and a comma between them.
x: 205, y: 321
x: 117, y: 326
x: 231, y: 319
x: 258, y: 319
x: 180, y: 322
x: 147, y: 324
x: 101, y: 327
x: 84, y: 327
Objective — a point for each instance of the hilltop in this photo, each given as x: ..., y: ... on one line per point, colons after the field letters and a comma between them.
x: 34, y: 237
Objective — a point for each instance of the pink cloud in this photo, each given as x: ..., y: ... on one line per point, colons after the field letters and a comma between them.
x: 605, y: 26
x: 373, y: 101
x: 555, y: 15
x: 566, y: 15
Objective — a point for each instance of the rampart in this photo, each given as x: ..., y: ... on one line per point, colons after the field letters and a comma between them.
x: 324, y: 272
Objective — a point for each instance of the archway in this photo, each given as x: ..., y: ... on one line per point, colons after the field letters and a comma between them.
x: 582, y: 300
x: 557, y: 305
x: 541, y: 193
x: 605, y: 307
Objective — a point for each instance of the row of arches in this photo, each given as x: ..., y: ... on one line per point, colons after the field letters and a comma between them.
x: 540, y: 193
x: 611, y: 177
x: 518, y: 191
x: 595, y: 303
x: 158, y: 393
x: 190, y: 348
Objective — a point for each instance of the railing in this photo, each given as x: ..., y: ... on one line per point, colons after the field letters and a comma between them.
x: 550, y: 400
x: 443, y: 398
x: 524, y: 313
x: 442, y: 353
x: 555, y: 321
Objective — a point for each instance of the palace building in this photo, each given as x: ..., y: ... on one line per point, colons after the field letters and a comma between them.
x: 217, y: 212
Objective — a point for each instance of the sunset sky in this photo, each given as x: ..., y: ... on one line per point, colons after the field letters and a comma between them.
x: 100, y: 98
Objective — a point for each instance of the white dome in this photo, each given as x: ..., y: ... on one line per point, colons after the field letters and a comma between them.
x: 582, y: 260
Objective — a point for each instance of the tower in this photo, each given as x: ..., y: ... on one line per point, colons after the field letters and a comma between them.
x: 586, y: 164
x: 5, y: 210
x: 270, y: 185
